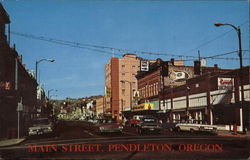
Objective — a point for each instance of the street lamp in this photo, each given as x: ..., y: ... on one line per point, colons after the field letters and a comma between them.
x: 130, y: 83
x: 51, y: 91
x: 237, y: 29
x: 37, y: 62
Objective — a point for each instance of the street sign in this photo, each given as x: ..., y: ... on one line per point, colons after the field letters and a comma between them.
x: 19, y: 107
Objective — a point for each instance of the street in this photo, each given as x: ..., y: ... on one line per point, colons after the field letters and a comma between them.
x: 77, y: 140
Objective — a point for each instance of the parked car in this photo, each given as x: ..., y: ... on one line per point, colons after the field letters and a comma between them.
x: 187, y: 127
x: 41, y: 126
x: 108, y: 125
x: 192, y: 127
x: 148, y: 124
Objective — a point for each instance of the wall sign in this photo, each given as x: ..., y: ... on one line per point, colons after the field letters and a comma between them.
x: 225, y: 83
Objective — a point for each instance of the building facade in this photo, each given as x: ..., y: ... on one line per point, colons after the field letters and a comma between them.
x: 100, y: 106
x: 120, y: 84
x: 17, y: 87
x: 161, y: 75
x: 212, y: 98
x: 164, y: 89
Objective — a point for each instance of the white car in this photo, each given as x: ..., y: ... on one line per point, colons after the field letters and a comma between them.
x: 196, y: 127
x: 41, y: 126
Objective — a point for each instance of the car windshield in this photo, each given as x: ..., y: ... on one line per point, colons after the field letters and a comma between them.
x: 149, y: 120
x: 107, y: 121
x: 41, y: 121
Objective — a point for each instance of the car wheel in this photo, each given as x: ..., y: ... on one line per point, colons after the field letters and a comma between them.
x: 215, y: 131
x: 140, y: 131
x: 178, y: 129
x: 192, y: 130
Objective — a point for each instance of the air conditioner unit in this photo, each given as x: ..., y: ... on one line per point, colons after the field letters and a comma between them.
x: 180, y: 75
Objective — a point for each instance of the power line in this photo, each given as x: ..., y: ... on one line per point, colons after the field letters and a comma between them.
x: 58, y: 42
x: 223, y: 54
x: 93, y: 48
x: 209, y: 41
x: 96, y: 46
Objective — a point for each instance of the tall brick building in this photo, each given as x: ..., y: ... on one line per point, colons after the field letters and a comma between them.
x: 17, y: 85
x: 120, y: 83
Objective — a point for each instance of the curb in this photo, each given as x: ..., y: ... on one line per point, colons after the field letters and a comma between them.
x: 11, y: 142
x: 234, y: 136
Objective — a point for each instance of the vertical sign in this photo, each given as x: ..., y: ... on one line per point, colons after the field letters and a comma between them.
x: 144, y: 65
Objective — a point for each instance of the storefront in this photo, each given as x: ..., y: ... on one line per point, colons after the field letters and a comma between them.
x: 150, y: 108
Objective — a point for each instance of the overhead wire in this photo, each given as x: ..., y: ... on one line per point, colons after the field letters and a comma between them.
x: 96, y: 46
x: 211, y: 40
x: 101, y: 49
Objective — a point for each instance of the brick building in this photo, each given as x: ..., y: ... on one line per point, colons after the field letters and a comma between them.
x: 161, y: 75
x: 213, y: 98
x: 17, y: 85
x: 120, y: 84
x: 165, y: 79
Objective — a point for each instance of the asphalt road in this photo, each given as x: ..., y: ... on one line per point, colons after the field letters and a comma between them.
x: 78, y: 140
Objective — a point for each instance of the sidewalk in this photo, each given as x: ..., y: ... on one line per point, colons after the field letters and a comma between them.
x: 11, y: 142
x: 225, y: 133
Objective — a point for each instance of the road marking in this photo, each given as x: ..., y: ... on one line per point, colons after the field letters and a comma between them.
x: 133, y: 134
x: 89, y: 133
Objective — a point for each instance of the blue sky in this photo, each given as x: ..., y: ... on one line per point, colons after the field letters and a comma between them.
x: 170, y: 27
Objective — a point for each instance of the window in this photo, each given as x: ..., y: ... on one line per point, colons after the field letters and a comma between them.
x: 154, y: 90
x: 123, y: 67
x: 123, y: 75
x: 133, y: 68
x: 123, y: 84
x: 123, y: 92
x: 133, y: 85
